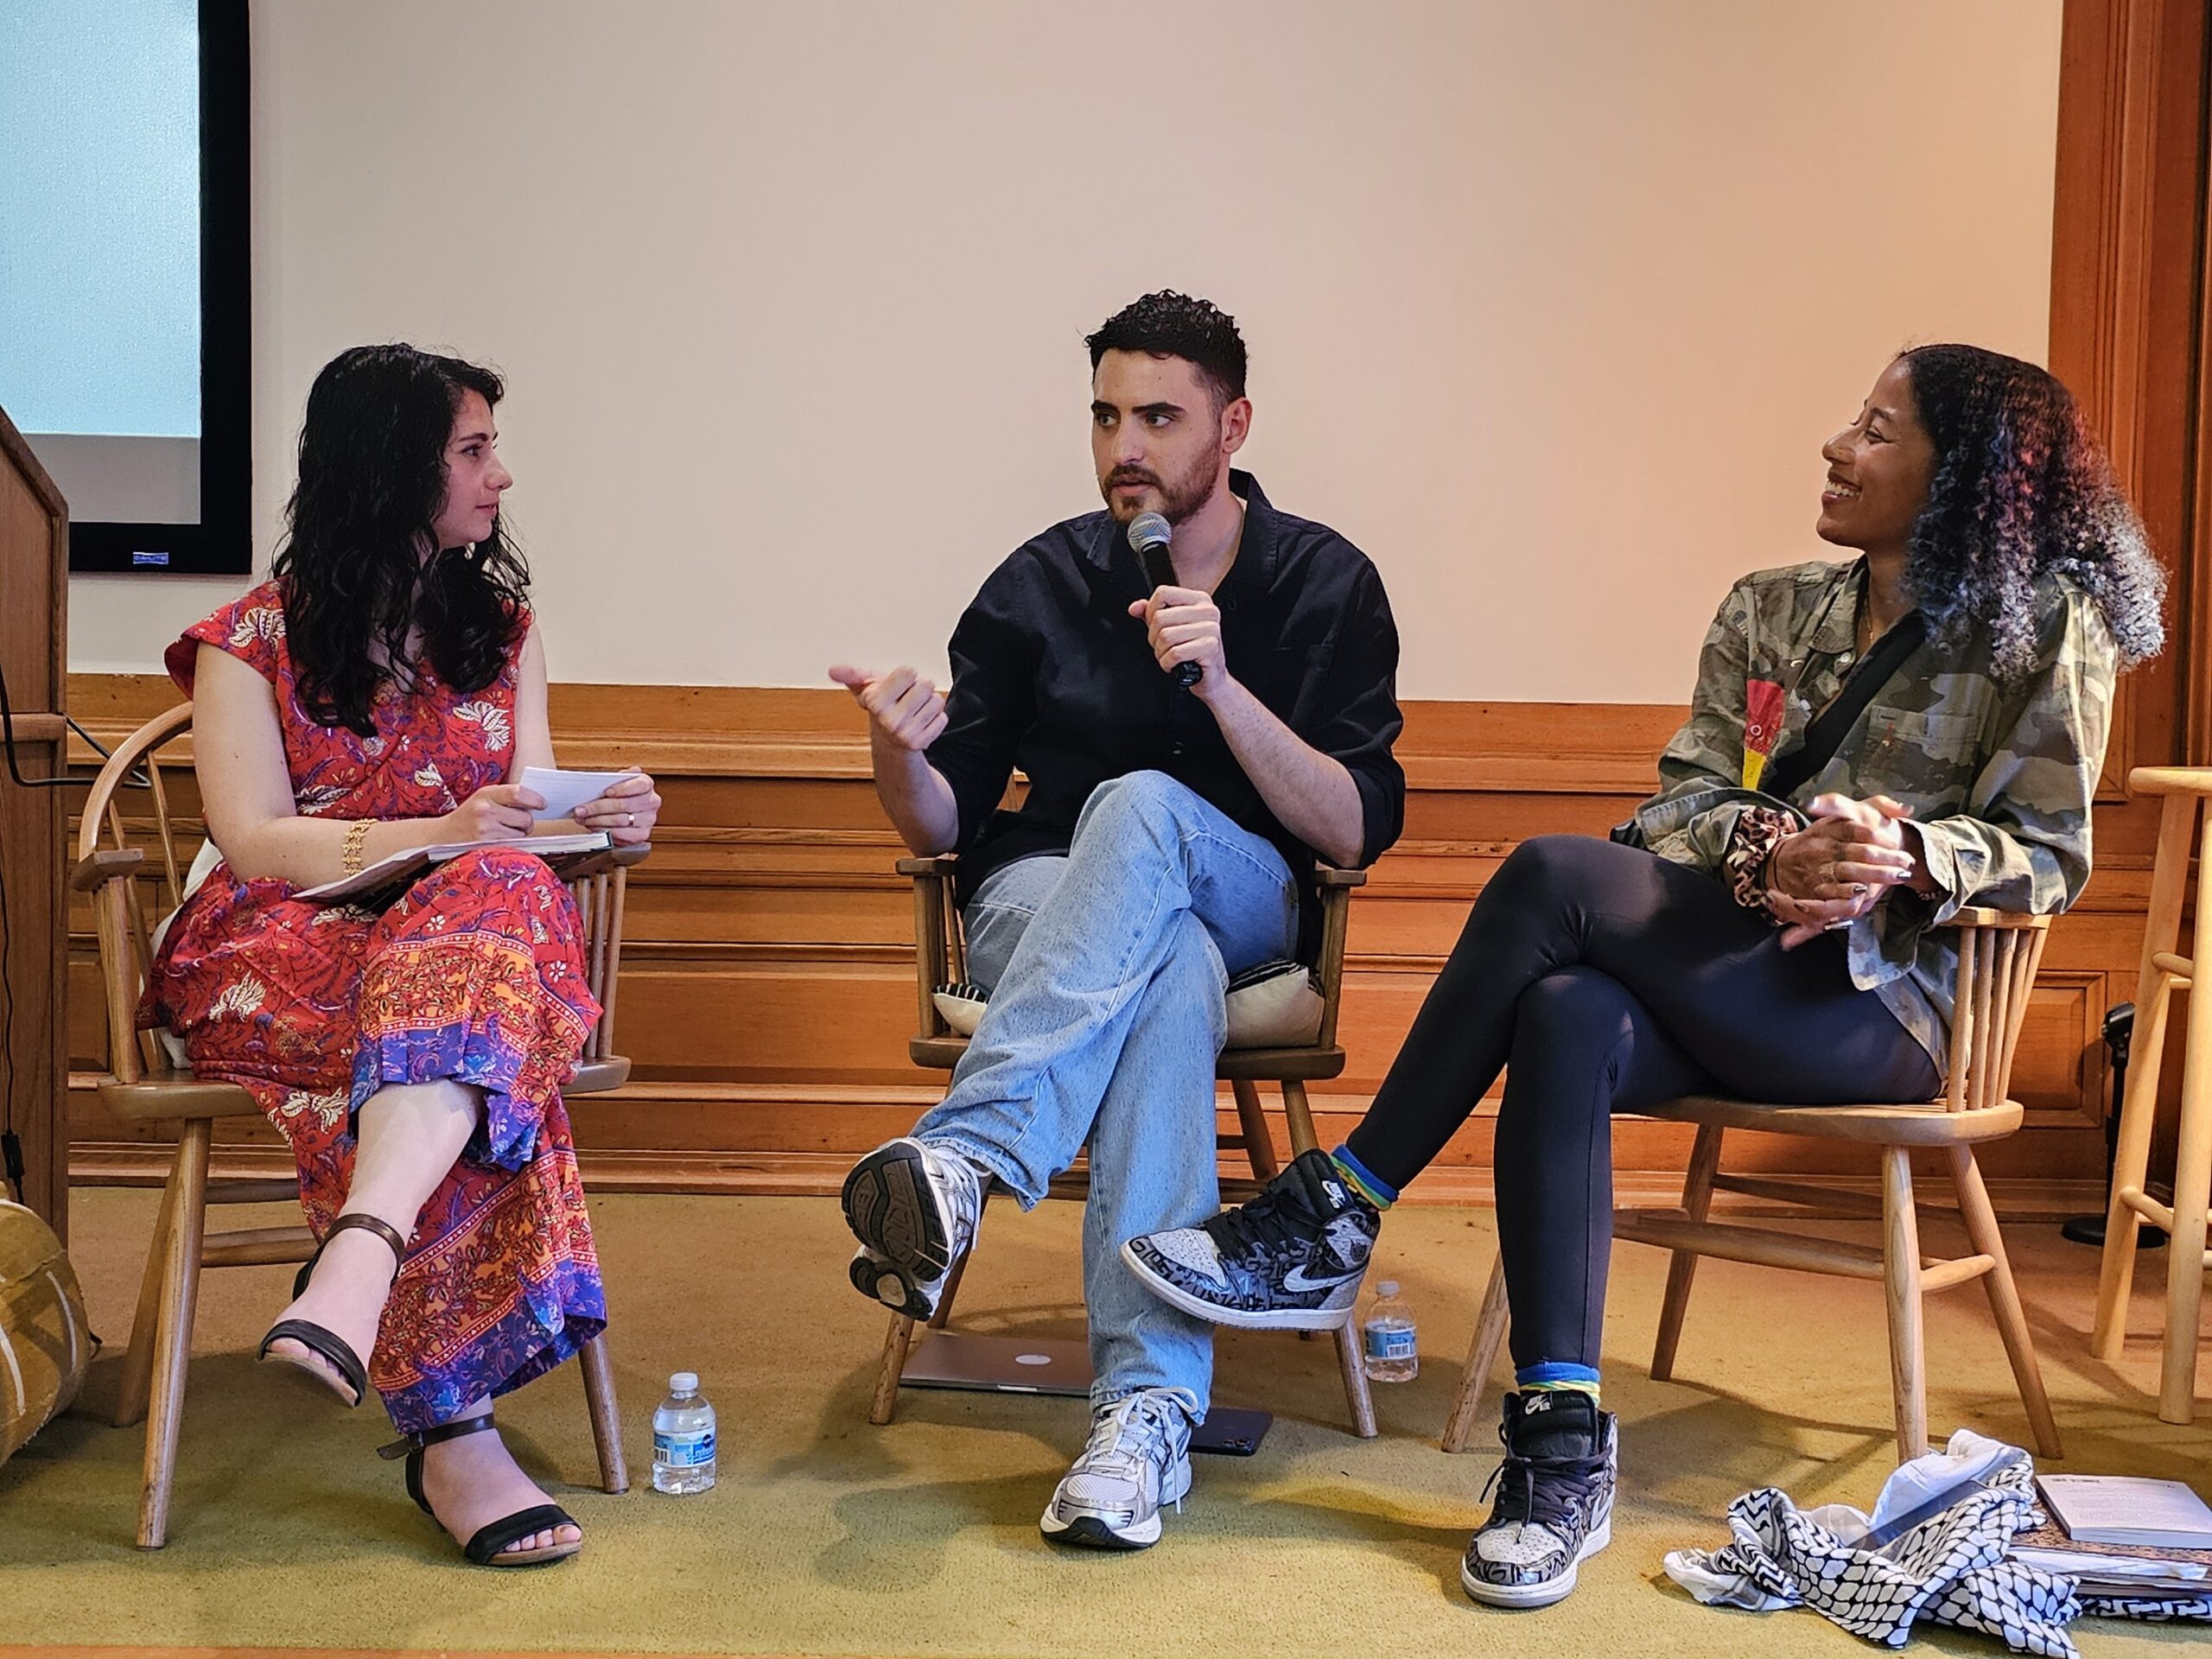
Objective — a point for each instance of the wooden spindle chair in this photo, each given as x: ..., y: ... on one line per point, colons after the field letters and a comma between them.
x: 1998, y: 954
x: 941, y: 957
x: 2188, y: 795
x: 149, y: 1082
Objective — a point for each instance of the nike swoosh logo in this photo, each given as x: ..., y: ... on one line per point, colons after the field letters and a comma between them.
x: 1297, y: 1279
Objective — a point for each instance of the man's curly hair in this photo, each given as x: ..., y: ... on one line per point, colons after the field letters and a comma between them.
x: 1168, y: 324
x: 2021, y: 489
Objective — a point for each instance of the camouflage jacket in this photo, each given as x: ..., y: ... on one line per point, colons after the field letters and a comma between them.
x: 2000, y: 776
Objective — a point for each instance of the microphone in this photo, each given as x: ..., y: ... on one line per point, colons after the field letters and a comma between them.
x: 1150, y: 534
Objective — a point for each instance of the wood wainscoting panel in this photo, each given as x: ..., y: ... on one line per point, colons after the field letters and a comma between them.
x: 768, y: 991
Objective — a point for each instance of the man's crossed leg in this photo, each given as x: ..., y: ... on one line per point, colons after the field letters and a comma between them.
x: 1108, y: 967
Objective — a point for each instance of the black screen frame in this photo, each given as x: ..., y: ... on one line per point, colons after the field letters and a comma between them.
x: 221, y: 543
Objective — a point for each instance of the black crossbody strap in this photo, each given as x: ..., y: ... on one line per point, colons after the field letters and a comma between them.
x: 1825, y: 736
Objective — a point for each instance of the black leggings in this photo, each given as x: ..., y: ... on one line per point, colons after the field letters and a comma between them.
x: 1603, y: 978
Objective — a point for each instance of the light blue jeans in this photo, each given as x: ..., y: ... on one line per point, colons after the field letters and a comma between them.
x: 1107, y: 968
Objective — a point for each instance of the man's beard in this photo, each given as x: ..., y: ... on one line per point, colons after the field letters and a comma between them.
x: 1180, y: 498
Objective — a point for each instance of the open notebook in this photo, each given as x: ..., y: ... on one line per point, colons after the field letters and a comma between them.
x: 386, y: 879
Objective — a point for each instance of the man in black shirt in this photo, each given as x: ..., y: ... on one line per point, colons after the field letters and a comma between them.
x: 1167, y: 843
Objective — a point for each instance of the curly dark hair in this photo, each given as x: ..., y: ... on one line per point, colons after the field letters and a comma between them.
x: 2020, y: 489
x: 1168, y: 324
x: 355, y: 580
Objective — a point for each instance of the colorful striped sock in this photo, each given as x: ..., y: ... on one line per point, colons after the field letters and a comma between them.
x: 1556, y: 1376
x: 1369, y: 1186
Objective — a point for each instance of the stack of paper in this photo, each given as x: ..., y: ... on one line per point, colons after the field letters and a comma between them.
x: 2123, y: 1536
x: 564, y: 791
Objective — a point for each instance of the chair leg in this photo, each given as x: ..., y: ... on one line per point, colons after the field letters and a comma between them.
x: 1350, y: 1364
x: 1901, y: 1280
x: 896, y: 1341
x: 2005, y: 1300
x: 1353, y: 1366
x: 2139, y: 1111
x: 1681, y: 1268
x: 1259, y: 1147
x: 606, y: 1414
x: 1482, y: 1354
x: 133, y: 1392
x: 1298, y: 1113
x: 2185, y: 1241
x: 173, y: 1343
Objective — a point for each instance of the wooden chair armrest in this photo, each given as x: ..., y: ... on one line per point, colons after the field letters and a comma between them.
x: 577, y: 866
x: 938, y: 866
x: 1336, y: 887
x: 97, y: 870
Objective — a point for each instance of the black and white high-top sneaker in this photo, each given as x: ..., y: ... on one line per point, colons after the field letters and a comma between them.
x: 1555, y: 1506
x: 914, y: 1207
x: 1290, y: 1260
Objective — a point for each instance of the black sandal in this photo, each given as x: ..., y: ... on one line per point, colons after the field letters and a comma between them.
x: 489, y: 1546
x: 328, y: 1346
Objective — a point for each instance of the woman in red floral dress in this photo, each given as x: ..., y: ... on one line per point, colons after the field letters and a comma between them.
x: 377, y: 694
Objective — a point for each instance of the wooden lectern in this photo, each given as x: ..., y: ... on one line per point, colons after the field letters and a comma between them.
x: 33, y: 657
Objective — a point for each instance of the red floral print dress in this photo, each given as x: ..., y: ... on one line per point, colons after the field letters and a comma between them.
x: 474, y: 975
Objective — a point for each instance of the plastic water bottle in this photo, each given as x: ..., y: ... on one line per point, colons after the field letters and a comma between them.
x: 1388, y: 1348
x: 684, y: 1438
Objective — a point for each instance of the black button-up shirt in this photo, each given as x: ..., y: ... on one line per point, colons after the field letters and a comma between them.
x: 1051, y: 674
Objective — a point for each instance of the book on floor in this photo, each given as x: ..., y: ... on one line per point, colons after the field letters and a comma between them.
x: 2116, y: 1569
x: 389, y: 876
x: 2129, y: 1509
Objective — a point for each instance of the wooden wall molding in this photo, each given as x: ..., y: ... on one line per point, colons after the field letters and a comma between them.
x: 2131, y: 314
x: 767, y: 995
x: 2128, y: 315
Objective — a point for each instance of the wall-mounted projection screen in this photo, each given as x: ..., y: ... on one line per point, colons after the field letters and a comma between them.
x: 124, y: 300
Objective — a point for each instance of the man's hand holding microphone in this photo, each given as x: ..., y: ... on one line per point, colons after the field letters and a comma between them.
x: 1182, y: 625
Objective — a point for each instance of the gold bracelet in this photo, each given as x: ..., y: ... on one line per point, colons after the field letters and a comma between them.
x: 350, y: 855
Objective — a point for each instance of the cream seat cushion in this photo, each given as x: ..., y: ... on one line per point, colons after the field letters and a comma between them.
x: 1274, y: 1005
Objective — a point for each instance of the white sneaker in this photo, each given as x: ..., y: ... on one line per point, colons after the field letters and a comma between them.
x: 1139, y: 1458
x: 914, y: 1208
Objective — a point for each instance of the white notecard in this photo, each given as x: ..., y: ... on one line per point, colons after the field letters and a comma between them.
x: 564, y: 790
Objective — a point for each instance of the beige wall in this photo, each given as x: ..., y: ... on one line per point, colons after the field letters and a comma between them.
x: 1550, y: 304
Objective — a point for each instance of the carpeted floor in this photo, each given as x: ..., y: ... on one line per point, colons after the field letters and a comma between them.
x: 828, y: 1536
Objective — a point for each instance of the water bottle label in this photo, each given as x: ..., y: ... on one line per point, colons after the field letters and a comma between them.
x: 684, y: 1451
x: 1389, y: 1342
